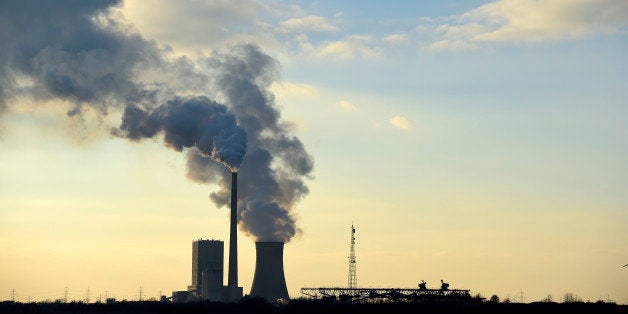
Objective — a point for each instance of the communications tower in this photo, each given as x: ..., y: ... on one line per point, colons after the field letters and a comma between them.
x: 353, y: 280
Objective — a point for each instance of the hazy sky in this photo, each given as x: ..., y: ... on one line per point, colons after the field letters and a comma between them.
x: 484, y: 143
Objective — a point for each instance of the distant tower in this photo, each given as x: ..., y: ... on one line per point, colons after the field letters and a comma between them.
x: 353, y: 279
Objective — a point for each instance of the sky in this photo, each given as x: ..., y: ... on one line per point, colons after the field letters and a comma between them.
x: 479, y: 142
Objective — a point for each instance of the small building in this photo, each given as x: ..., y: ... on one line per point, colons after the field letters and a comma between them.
x: 183, y: 296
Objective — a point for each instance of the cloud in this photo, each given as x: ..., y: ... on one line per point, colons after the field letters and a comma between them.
x: 304, y: 43
x: 550, y: 19
x: 531, y: 21
x: 187, y: 25
x: 340, y: 49
x: 401, y: 122
x: 395, y: 38
x: 351, y: 48
x: 347, y: 106
x: 459, y: 45
x: 312, y: 23
x: 288, y: 89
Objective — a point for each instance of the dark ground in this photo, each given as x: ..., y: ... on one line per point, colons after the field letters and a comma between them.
x: 305, y: 307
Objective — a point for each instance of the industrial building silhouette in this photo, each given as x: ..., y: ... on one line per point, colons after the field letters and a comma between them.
x: 208, y: 267
x: 269, y: 281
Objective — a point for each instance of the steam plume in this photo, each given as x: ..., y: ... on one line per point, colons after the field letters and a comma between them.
x: 195, y: 122
x: 76, y: 51
x: 71, y: 50
x: 272, y: 178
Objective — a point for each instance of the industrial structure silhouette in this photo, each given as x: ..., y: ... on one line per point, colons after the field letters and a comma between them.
x: 269, y: 281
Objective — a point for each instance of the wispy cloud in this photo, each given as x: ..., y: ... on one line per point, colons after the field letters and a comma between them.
x: 347, y: 106
x: 395, y: 38
x: 531, y: 21
x: 288, y: 89
x: 350, y: 48
x: 518, y: 20
x: 312, y: 23
x: 207, y: 24
x: 339, y: 49
x: 276, y: 26
x: 401, y: 122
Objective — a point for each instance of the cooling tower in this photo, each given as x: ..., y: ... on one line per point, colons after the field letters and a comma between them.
x: 269, y: 281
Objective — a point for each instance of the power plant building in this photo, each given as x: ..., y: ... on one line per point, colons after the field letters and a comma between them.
x: 207, y: 269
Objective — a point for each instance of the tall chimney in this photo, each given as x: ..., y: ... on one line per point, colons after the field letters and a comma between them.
x: 269, y: 281
x: 232, y: 280
x: 231, y: 292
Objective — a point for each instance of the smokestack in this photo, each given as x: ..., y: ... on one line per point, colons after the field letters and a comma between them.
x: 231, y: 292
x: 232, y: 280
x: 269, y: 281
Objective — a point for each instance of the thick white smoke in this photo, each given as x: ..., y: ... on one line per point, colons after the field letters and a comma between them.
x: 73, y: 50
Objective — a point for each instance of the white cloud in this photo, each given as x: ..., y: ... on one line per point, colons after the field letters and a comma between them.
x: 401, y: 123
x: 347, y: 106
x: 461, y: 31
x: 288, y: 89
x: 304, y: 43
x: 354, y: 46
x: 531, y: 21
x: 452, y: 45
x: 340, y: 49
x: 550, y: 19
x: 188, y: 25
x: 312, y: 23
x: 395, y: 38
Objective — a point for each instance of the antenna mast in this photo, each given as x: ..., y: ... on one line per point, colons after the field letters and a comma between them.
x: 353, y: 280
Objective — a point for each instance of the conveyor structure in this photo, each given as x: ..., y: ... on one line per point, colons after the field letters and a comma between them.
x: 412, y: 295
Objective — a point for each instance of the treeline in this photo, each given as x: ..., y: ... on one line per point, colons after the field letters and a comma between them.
x: 259, y: 306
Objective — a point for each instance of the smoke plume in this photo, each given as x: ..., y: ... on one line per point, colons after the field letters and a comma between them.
x: 70, y: 50
x: 271, y: 180
x: 196, y: 122
x: 76, y: 51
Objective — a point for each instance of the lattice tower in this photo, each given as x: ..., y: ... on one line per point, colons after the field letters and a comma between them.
x: 353, y: 279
